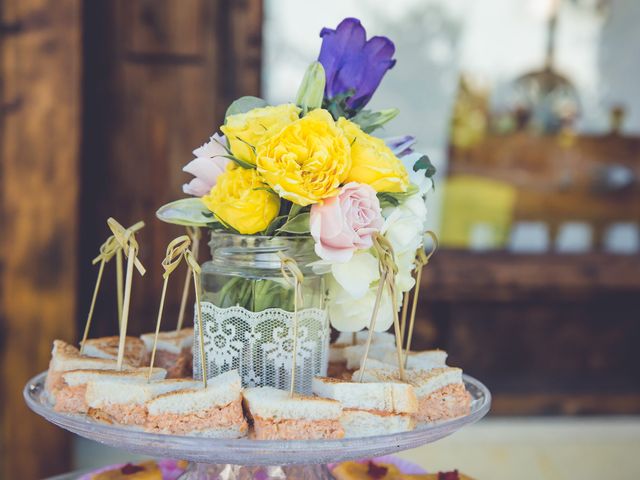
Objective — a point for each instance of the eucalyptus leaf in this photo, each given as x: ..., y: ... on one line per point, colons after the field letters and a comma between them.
x: 187, y: 212
x: 243, y: 105
x: 311, y: 91
x: 298, y: 225
x: 370, y: 121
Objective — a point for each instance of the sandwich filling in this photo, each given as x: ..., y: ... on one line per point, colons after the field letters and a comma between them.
x: 216, y: 417
x: 177, y: 365
x: 296, y: 429
x: 450, y: 401
x: 71, y: 399
x: 125, y: 413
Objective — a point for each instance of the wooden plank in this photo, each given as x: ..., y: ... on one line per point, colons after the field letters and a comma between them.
x: 40, y: 67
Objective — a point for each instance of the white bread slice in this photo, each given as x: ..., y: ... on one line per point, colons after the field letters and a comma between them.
x: 271, y: 403
x: 353, y: 353
x: 171, y: 341
x: 65, y: 357
x: 135, y: 352
x: 425, y: 360
x: 220, y: 391
x: 73, y: 378
x: 361, y: 423
x: 425, y: 382
x: 117, y: 392
x: 388, y: 397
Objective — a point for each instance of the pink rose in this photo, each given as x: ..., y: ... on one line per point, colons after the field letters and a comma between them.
x: 342, y: 224
x: 209, y: 163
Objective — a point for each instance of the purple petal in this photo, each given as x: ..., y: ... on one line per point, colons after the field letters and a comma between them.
x: 401, y: 146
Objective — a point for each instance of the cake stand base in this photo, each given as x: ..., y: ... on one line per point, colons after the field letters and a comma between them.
x: 205, y: 471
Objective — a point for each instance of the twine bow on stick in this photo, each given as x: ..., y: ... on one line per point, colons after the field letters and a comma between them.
x: 422, y: 259
x: 388, y: 271
x: 126, y: 239
x: 119, y: 279
x: 194, y: 235
x: 175, y: 253
x: 192, y: 262
x: 294, y: 277
x: 108, y: 249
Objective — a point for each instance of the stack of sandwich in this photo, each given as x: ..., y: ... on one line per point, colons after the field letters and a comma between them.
x: 355, y: 403
x: 79, y: 384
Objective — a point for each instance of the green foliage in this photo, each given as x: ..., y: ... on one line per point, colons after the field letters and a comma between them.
x: 424, y: 163
x: 243, y: 105
x: 298, y: 225
x: 370, y: 121
x: 388, y: 199
x: 187, y: 212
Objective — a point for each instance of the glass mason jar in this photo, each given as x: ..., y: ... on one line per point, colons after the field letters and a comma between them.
x: 248, y: 312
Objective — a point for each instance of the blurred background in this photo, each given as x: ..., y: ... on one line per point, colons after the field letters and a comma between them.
x: 530, y: 109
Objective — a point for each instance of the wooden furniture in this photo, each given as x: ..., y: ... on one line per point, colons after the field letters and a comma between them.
x: 549, y: 334
x: 101, y: 103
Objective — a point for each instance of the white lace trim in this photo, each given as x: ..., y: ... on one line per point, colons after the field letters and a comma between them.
x: 259, y: 345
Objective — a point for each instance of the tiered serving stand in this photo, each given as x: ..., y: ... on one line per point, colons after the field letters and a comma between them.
x: 248, y: 459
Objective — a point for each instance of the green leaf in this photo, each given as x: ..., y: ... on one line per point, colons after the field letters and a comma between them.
x: 300, y: 224
x: 294, y: 211
x: 370, y: 121
x: 240, y: 163
x: 266, y: 189
x: 388, y: 199
x: 187, y: 211
x: 275, y: 224
x: 311, y: 91
x: 424, y: 163
x: 243, y: 105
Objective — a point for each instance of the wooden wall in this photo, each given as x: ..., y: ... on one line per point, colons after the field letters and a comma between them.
x: 101, y: 103
x: 40, y: 69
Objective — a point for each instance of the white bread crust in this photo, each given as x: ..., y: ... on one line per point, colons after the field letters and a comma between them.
x: 269, y: 402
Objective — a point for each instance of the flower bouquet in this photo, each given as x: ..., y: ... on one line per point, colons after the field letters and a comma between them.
x: 309, y: 209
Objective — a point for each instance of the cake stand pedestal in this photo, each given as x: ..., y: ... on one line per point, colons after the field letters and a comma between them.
x: 235, y: 459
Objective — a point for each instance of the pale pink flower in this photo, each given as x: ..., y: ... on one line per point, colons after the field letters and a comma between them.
x: 208, y: 164
x: 342, y: 224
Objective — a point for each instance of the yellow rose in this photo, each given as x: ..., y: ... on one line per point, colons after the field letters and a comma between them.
x: 307, y: 161
x: 372, y: 162
x: 235, y: 201
x: 246, y: 130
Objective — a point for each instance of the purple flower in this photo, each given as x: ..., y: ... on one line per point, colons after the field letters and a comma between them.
x: 401, y: 146
x: 352, y: 62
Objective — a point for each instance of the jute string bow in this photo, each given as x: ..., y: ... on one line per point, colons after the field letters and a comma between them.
x: 194, y: 234
x: 108, y: 249
x: 127, y: 241
x: 175, y: 253
x: 293, y: 275
x: 388, y: 271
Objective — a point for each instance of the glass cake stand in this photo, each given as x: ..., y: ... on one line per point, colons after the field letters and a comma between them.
x: 237, y: 459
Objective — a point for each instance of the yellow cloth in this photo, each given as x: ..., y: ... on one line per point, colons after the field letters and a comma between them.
x: 472, y: 202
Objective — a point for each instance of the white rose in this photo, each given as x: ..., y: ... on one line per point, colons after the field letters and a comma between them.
x: 404, y: 228
x: 352, y: 315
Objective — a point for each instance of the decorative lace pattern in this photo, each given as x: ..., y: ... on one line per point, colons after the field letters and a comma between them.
x: 260, y: 344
